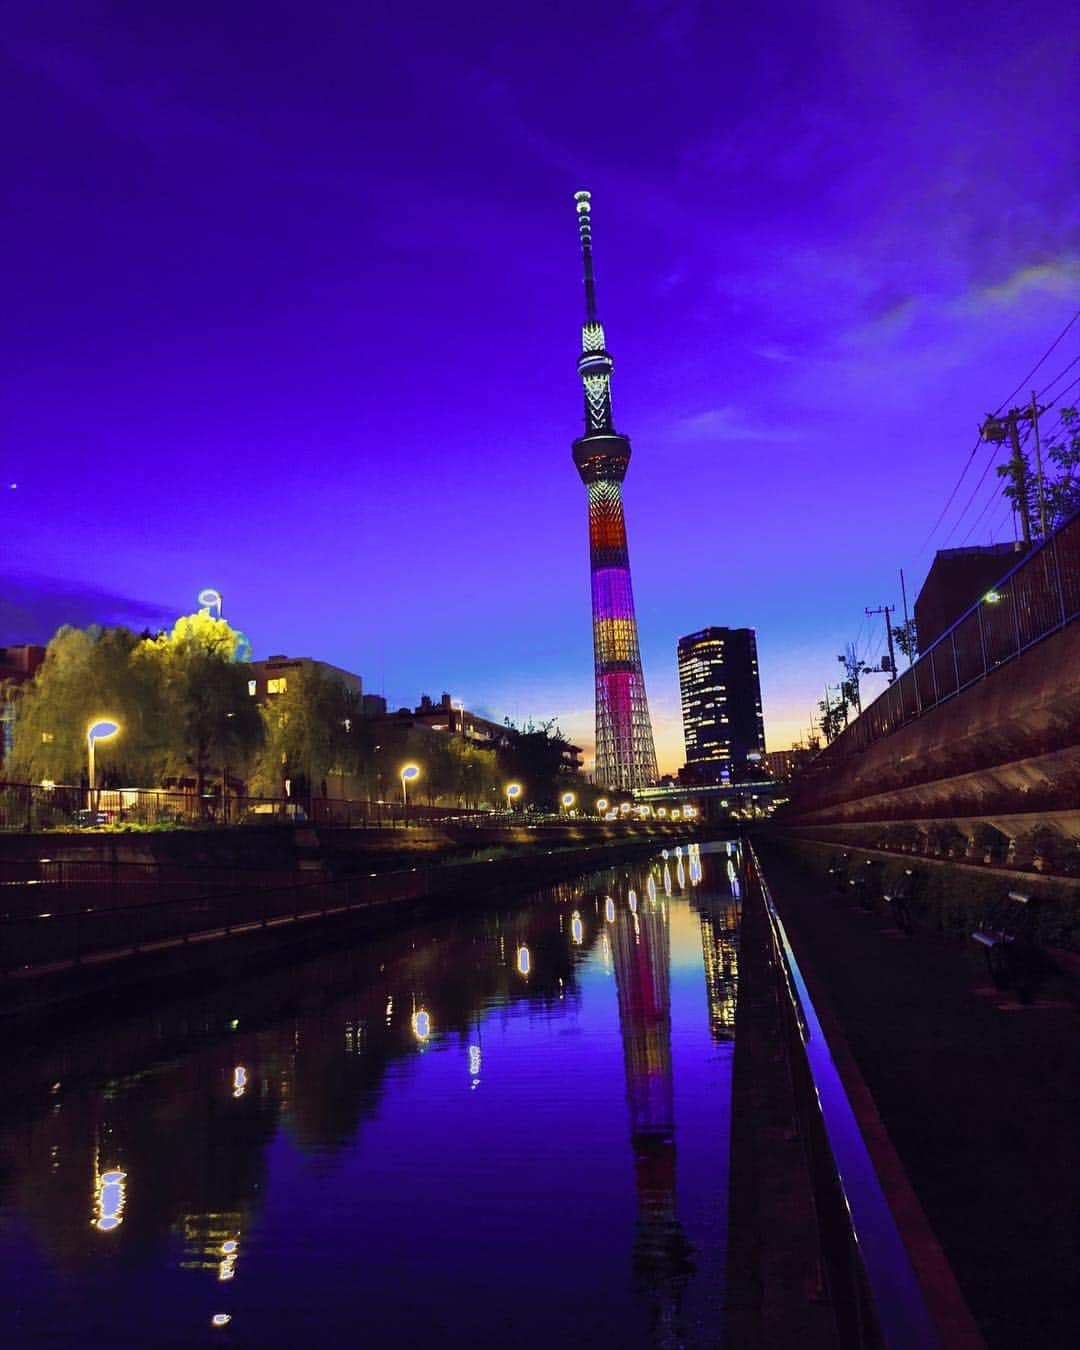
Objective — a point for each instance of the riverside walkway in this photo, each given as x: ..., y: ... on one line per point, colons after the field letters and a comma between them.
x: 969, y: 1100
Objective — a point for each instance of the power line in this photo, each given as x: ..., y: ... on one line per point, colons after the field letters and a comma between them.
x: 971, y: 457
x: 990, y: 501
x: 952, y: 495
x: 1061, y: 393
x: 978, y: 485
x: 1037, y: 364
x: 1058, y: 376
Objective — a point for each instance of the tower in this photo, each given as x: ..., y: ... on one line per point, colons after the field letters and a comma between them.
x: 625, y: 754
x: 721, y: 704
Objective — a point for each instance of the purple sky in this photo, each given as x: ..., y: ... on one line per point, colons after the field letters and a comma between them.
x: 293, y: 301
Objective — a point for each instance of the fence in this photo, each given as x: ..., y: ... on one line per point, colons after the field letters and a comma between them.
x: 876, y: 1297
x: 1040, y: 595
x: 37, y: 806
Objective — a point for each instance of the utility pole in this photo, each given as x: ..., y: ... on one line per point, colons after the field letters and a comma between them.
x: 1034, y: 415
x: 994, y: 429
x: 887, y: 610
x: 907, y: 621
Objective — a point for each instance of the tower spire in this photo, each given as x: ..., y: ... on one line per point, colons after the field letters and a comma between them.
x: 584, y: 212
x: 625, y: 753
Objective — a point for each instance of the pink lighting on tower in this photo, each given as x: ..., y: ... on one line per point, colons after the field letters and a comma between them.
x: 625, y: 752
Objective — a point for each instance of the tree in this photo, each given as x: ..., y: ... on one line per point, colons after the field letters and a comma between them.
x: 210, y: 722
x: 310, y: 732
x: 536, y: 758
x: 1061, y: 477
x: 833, y: 718
x: 907, y: 639
x: 1062, y: 490
x: 88, y: 674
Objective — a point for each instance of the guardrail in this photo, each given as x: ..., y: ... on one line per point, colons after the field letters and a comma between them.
x: 876, y: 1296
x: 27, y: 807
x: 1037, y: 597
x: 49, y: 925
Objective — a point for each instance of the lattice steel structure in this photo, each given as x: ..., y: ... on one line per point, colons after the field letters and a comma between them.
x: 625, y: 753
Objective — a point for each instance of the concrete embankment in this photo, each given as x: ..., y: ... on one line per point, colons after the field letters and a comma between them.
x: 112, y: 917
x: 968, y: 1098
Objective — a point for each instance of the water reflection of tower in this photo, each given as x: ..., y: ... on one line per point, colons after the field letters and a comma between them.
x: 719, y: 916
x: 641, y: 949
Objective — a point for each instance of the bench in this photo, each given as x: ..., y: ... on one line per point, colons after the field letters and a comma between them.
x: 1012, y: 954
x: 865, y: 883
x: 900, y: 896
x: 838, y: 867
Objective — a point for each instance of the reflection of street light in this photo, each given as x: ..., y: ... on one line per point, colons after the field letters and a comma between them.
x: 408, y: 773
x: 101, y: 730
x: 109, y: 1200
x: 513, y: 792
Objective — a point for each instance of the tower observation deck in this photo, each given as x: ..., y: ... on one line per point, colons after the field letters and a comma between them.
x: 625, y: 753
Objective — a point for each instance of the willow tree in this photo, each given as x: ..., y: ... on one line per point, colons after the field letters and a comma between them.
x: 210, y: 724
x: 310, y: 732
x: 87, y: 675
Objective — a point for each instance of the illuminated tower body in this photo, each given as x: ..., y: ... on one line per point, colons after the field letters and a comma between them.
x: 625, y: 754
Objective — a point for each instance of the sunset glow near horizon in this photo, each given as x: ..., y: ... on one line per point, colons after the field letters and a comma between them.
x: 297, y: 307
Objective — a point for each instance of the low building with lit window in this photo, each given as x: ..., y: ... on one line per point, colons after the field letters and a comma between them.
x: 723, y: 727
x: 271, y: 677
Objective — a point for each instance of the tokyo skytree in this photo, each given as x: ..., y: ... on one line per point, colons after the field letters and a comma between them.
x: 625, y: 754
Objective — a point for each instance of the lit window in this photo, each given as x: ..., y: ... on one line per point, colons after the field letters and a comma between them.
x: 252, y: 687
x: 47, y: 738
x: 278, y: 685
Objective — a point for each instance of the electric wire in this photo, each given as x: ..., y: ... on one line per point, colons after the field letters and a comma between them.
x: 971, y: 457
x: 1037, y: 364
x: 992, y: 500
x: 1058, y: 376
x: 975, y: 492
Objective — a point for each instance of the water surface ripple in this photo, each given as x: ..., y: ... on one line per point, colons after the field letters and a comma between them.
x: 505, y: 1128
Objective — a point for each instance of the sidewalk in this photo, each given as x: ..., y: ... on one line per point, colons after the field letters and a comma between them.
x: 979, y: 1095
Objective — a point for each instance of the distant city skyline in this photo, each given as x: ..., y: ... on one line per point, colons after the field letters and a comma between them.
x: 293, y: 296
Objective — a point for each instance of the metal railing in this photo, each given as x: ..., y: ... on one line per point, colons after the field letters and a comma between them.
x: 28, y: 807
x: 876, y: 1295
x: 1037, y: 597
x: 61, y: 914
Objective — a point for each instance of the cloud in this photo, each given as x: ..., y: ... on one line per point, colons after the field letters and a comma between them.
x: 727, y: 423
x: 33, y: 608
x: 1058, y: 277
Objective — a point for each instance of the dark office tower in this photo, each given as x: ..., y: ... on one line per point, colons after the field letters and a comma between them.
x: 625, y: 753
x: 721, y: 704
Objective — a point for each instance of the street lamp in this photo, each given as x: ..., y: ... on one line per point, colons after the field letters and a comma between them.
x: 624, y: 807
x: 408, y: 773
x: 513, y: 792
x: 101, y: 730
x: 601, y: 805
x: 568, y: 799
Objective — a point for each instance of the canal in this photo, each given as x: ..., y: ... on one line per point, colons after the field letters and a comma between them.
x: 509, y: 1127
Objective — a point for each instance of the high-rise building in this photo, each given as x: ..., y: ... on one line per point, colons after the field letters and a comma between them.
x: 721, y: 704
x: 625, y: 753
